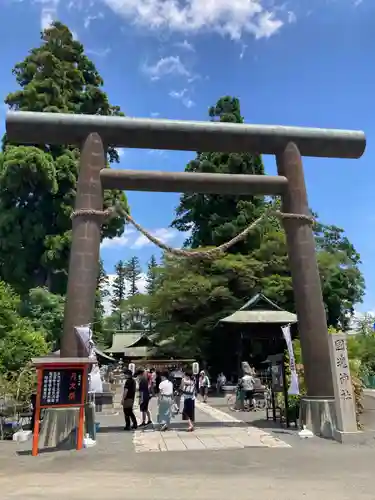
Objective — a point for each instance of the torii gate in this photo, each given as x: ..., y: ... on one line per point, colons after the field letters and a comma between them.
x: 93, y: 133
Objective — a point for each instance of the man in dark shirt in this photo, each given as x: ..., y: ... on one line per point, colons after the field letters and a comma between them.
x: 128, y: 401
x: 144, y: 398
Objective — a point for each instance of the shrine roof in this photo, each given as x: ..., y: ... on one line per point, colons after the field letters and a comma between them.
x: 127, y: 339
x: 260, y: 309
x: 135, y: 343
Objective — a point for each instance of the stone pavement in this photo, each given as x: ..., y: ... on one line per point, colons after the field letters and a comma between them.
x: 312, y: 469
x: 231, y: 434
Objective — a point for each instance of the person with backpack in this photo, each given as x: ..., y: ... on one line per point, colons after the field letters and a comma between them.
x: 203, y: 385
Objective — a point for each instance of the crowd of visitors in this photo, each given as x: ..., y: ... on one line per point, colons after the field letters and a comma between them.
x: 175, y: 392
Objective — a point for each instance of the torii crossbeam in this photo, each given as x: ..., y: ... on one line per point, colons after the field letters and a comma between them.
x: 288, y: 144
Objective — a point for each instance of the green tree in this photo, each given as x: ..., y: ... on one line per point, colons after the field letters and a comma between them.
x: 134, y: 307
x: 343, y: 284
x: 151, y: 276
x: 133, y: 274
x: 38, y: 183
x: 45, y: 312
x: 119, y: 292
x: 100, y: 335
x: 361, y: 346
x: 215, y: 219
x: 151, y: 288
x: 134, y: 312
x: 193, y: 295
x: 19, y: 340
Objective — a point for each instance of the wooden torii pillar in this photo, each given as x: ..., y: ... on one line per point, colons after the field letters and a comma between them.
x: 288, y: 144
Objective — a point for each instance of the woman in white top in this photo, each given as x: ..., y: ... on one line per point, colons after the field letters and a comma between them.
x: 204, y: 385
x: 165, y: 401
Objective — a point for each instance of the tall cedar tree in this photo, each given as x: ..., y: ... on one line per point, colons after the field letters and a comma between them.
x: 134, y: 311
x: 102, y: 292
x: 119, y: 292
x: 38, y: 183
x: 215, y: 219
x: 151, y: 277
x: 133, y: 274
x: 151, y: 288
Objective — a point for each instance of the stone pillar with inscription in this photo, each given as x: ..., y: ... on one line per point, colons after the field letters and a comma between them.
x: 346, y: 423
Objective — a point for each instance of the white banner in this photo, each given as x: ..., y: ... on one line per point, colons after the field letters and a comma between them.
x: 294, y: 386
x: 85, y: 335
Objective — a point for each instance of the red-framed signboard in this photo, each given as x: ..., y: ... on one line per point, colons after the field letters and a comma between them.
x: 61, y: 383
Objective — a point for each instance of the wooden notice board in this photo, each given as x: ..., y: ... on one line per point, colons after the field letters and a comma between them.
x: 62, y: 383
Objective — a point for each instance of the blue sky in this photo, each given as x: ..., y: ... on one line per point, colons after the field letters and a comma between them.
x: 298, y: 62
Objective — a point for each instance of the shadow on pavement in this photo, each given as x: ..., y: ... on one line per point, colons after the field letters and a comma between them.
x: 176, y: 426
x: 65, y: 445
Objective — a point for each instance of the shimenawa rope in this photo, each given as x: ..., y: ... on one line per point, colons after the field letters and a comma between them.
x: 212, y: 253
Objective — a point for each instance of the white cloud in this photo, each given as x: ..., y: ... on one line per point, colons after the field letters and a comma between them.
x: 292, y: 18
x: 187, y: 102
x: 166, y: 66
x: 121, y: 152
x: 49, y: 14
x: 89, y: 19
x: 361, y: 319
x: 134, y: 240
x: 177, y: 94
x: 156, y: 152
x: 46, y: 18
x: 231, y: 18
x: 154, y: 114
x: 99, y: 52
x: 186, y: 46
x: 118, y: 241
x: 164, y: 234
x: 267, y: 25
x: 183, y: 97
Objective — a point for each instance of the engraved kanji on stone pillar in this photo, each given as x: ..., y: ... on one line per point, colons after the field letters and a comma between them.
x: 312, y: 323
x: 84, y: 252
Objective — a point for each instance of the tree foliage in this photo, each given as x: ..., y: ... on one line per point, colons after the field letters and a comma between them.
x: 152, y: 277
x: 193, y: 295
x: 38, y: 183
x: 19, y: 339
x: 133, y: 274
x: 215, y: 219
x: 45, y: 311
x: 100, y: 335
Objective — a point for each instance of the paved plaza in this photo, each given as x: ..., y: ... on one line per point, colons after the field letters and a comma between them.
x: 224, y: 459
x: 207, y: 435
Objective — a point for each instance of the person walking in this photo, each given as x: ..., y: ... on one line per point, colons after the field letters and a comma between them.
x: 247, y: 385
x: 188, y: 390
x: 203, y: 385
x: 165, y: 401
x: 144, y: 398
x: 128, y: 401
x: 220, y: 383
